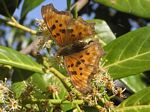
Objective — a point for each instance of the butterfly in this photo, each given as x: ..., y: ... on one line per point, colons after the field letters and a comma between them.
x: 81, y: 59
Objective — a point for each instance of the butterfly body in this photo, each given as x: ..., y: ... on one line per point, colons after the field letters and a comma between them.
x: 81, y: 59
x: 71, y: 49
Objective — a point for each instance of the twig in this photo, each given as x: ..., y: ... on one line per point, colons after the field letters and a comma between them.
x: 79, y: 4
x: 17, y: 25
x: 56, y: 101
x: 14, y: 23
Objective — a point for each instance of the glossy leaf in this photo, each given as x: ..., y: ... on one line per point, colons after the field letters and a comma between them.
x: 136, y: 7
x: 28, y: 5
x: 38, y: 81
x: 39, y: 85
x: 13, y: 58
x: 103, y: 31
x: 131, y: 82
x: 138, y: 102
x: 129, y: 54
x: 18, y: 88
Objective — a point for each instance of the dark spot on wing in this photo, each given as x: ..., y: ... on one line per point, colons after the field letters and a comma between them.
x: 80, y: 33
x: 78, y: 63
x: 87, y: 53
x: 57, y: 34
x: 72, y: 65
x: 82, y: 60
x: 53, y: 27
x: 54, y: 36
x: 56, y: 21
x: 81, y: 56
x: 80, y: 68
x: 62, y: 30
x: 74, y: 72
x: 80, y: 73
x: 60, y: 25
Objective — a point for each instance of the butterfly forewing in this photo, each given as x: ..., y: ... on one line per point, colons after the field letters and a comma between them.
x: 63, y: 28
x: 78, y: 29
x: 57, y: 22
x: 83, y: 65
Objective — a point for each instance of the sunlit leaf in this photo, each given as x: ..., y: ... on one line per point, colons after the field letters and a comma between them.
x: 129, y: 54
x: 13, y: 58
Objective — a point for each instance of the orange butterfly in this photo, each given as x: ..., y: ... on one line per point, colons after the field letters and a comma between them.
x: 81, y: 59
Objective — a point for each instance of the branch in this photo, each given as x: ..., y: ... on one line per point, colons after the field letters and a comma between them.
x: 14, y: 23
x: 56, y: 101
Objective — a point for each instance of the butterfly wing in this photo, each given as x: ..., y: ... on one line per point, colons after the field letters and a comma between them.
x: 78, y: 29
x: 57, y: 22
x: 63, y: 28
x: 82, y: 66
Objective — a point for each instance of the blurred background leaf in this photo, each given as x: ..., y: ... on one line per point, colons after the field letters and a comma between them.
x: 28, y: 5
x: 7, y: 7
x: 136, y: 7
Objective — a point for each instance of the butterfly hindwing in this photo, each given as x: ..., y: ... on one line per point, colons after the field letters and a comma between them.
x: 82, y: 66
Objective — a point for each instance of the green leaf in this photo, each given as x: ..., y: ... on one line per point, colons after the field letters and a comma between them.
x: 54, y: 81
x: 18, y: 88
x: 37, y: 80
x: 39, y: 84
x: 67, y: 107
x: 13, y: 58
x: 139, y: 102
x: 135, y: 7
x: 129, y: 54
x: 28, y: 5
x: 19, y: 83
x: 7, y: 7
x: 103, y: 31
x: 22, y: 79
x: 131, y: 82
